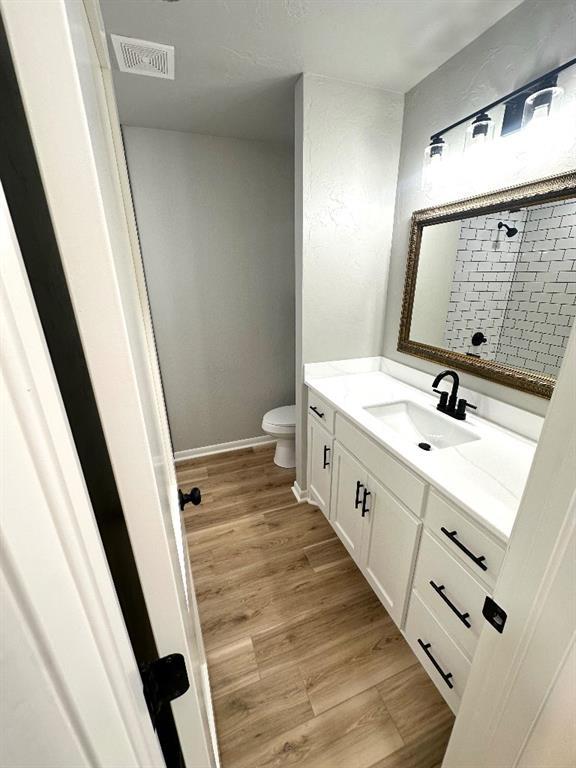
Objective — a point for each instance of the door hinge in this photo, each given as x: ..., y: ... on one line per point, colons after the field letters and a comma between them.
x: 494, y: 614
x: 163, y: 680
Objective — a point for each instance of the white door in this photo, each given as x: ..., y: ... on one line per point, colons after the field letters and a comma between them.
x: 389, y: 549
x: 74, y: 126
x: 348, y: 487
x: 520, y: 700
x: 71, y: 691
x: 319, y: 465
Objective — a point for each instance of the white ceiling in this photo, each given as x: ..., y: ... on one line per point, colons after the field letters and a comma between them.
x: 237, y: 60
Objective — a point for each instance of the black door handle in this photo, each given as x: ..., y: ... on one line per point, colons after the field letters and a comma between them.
x: 478, y: 559
x: 462, y: 616
x: 365, y: 509
x: 357, y: 500
x: 326, y: 463
x: 446, y: 676
x: 316, y: 411
x: 193, y: 497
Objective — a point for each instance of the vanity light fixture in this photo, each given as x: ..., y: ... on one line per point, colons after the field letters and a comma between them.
x: 541, y: 105
x: 532, y: 105
x: 436, y: 150
x: 528, y: 105
x: 480, y: 131
x: 434, y: 154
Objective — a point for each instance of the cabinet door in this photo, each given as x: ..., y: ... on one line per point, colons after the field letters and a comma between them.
x: 348, y: 484
x: 389, y: 549
x: 319, y: 465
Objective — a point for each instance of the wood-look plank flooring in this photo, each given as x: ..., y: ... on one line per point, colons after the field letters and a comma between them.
x: 306, y: 667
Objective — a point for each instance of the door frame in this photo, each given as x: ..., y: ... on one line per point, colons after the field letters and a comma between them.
x: 90, y: 206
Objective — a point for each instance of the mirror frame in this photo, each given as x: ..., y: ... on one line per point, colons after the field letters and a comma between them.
x: 541, y: 191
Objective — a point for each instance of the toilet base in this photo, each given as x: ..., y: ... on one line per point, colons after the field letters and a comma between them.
x: 285, y: 455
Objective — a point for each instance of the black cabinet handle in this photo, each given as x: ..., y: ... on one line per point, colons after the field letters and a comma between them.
x: 326, y: 463
x: 446, y: 676
x: 478, y: 559
x: 316, y: 411
x: 462, y: 616
x: 357, y: 500
x: 365, y: 509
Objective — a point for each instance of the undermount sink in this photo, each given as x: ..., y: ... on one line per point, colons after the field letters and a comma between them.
x: 421, y: 425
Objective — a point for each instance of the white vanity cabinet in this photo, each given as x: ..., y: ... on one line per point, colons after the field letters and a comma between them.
x: 430, y: 563
x: 389, y: 549
x: 450, y: 593
x: 320, y: 460
x: 376, y: 529
x: 348, y: 488
x: 457, y: 565
x: 475, y: 549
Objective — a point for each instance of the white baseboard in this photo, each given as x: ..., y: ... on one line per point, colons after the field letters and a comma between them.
x: 301, y: 496
x: 234, y: 445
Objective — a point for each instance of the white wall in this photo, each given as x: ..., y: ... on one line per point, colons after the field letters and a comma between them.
x: 215, y: 223
x: 347, y: 150
x: 535, y: 37
x: 434, y: 284
x: 351, y: 151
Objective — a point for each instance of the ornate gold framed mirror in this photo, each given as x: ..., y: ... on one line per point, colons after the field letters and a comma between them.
x: 490, y: 283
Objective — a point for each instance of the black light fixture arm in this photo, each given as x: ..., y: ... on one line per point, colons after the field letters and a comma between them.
x: 503, y: 99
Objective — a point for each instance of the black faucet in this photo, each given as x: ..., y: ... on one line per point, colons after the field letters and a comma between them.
x: 450, y: 404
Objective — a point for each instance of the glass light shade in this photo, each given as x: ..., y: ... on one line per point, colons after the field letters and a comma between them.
x: 434, y: 158
x: 479, y: 133
x: 542, y: 105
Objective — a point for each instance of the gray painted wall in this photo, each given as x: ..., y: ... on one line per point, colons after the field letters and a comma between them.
x: 347, y: 147
x: 215, y: 217
x: 535, y: 37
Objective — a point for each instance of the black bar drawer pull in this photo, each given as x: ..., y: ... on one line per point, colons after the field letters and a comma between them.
x: 365, y: 509
x: 462, y: 616
x: 326, y: 463
x: 316, y: 411
x: 446, y: 676
x: 478, y: 559
x: 357, y: 500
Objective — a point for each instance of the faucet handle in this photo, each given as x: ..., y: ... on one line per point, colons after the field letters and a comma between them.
x: 461, y: 409
x: 442, y: 405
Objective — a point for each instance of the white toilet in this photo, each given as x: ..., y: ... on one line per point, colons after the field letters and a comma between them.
x: 280, y: 423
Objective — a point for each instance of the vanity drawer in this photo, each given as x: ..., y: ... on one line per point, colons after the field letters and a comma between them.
x: 441, y: 658
x: 403, y: 483
x: 480, y: 554
x: 320, y: 410
x: 450, y: 593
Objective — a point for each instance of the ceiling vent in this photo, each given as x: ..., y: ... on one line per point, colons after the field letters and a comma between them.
x: 144, y: 58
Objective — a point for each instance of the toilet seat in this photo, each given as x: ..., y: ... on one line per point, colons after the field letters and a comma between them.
x: 280, y: 421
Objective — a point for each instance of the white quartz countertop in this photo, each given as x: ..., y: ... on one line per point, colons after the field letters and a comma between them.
x: 485, y: 477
